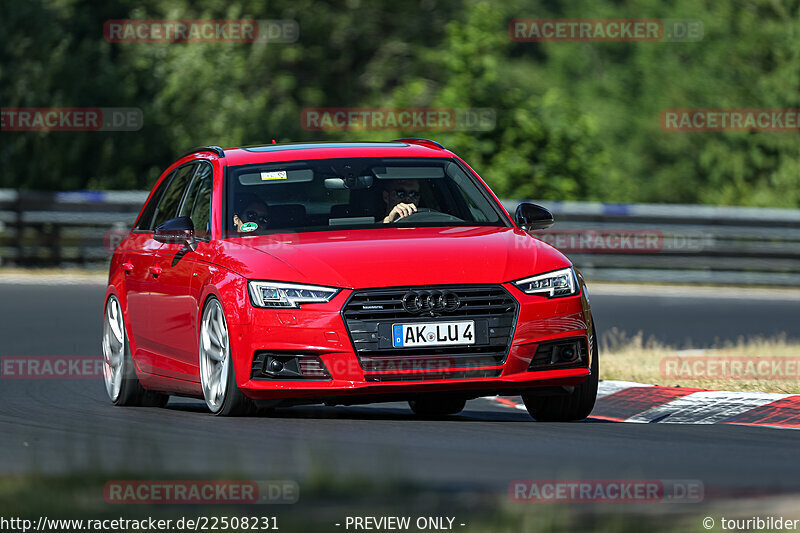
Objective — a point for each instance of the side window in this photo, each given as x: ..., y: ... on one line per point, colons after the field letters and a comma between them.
x: 197, y: 204
x: 168, y: 207
x: 145, y: 222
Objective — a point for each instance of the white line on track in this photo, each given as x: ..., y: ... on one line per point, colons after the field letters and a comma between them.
x: 706, y: 407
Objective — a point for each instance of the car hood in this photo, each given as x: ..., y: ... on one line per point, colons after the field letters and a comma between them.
x: 388, y: 257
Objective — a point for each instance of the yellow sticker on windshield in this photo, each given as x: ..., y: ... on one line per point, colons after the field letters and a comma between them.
x: 276, y: 175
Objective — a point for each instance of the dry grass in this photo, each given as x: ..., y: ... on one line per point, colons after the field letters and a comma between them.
x: 751, y: 365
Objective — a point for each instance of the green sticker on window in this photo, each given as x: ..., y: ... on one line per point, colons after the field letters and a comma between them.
x: 248, y: 226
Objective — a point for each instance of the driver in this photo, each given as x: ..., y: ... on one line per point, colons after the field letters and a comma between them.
x: 251, y: 209
x: 401, y: 198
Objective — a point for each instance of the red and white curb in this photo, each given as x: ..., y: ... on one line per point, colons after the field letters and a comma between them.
x: 625, y: 401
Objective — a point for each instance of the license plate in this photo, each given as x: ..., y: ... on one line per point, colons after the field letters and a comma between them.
x: 433, y: 334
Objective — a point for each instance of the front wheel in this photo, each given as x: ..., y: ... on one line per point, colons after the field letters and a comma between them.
x: 122, y: 384
x: 565, y: 408
x: 217, y: 376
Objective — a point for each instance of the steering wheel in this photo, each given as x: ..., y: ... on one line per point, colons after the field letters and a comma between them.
x: 426, y: 214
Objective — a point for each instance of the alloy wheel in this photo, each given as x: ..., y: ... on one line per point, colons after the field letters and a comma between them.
x: 113, y: 348
x: 215, y: 355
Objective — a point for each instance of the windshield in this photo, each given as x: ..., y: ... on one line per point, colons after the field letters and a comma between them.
x: 325, y: 194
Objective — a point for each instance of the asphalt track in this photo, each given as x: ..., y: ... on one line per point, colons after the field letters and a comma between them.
x: 53, y: 426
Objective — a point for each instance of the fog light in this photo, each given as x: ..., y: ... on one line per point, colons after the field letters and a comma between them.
x: 568, y: 352
x: 288, y: 366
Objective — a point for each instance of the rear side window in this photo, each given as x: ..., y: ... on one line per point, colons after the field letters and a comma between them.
x: 168, y: 207
x: 197, y: 204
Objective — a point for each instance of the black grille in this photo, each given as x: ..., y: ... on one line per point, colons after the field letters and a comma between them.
x: 369, y: 315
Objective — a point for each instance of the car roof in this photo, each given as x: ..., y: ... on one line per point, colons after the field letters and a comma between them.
x: 327, y: 150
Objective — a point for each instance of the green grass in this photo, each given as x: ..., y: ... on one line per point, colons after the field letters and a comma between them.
x: 646, y: 361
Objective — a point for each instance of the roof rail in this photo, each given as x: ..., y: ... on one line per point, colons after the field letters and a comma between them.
x: 425, y: 142
x: 215, y: 149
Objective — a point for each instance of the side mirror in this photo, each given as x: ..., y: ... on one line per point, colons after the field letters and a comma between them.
x: 177, y: 231
x: 530, y: 216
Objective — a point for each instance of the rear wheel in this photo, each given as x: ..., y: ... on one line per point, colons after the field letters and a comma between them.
x: 435, y: 406
x: 217, y: 376
x: 122, y: 384
x: 565, y: 408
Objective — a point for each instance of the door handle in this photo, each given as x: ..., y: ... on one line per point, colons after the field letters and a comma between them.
x: 155, y: 270
x: 127, y: 267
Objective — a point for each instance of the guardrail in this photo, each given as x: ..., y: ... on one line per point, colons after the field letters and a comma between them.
x: 610, y: 242
x: 677, y: 243
x: 59, y: 228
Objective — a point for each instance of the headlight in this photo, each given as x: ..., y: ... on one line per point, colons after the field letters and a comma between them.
x: 552, y: 284
x: 288, y: 295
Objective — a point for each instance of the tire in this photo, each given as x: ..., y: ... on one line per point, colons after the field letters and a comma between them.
x: 122, y: 384
x: 437, y: 406
x: 567, y: 408
x: 217, y: 375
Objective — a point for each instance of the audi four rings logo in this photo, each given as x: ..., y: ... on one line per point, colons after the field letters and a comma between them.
x: 433, y: 302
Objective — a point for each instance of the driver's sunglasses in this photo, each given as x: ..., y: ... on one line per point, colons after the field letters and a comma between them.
x: 402, y: 194
x: 255, y: 216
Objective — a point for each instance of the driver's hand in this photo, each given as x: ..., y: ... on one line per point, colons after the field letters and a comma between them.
x: 400, y: 211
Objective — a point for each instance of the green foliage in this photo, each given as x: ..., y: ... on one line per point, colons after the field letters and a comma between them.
x: 573, y: 120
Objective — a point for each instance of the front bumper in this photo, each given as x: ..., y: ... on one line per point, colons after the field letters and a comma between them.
x: 320, y: 330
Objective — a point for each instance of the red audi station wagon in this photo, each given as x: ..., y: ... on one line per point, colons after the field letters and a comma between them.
x: 343, y: 273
